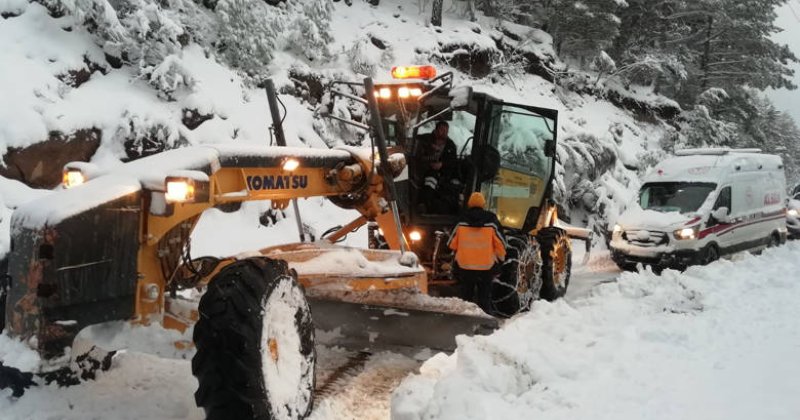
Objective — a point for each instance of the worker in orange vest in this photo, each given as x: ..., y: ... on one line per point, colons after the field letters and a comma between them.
x: 479, y: 246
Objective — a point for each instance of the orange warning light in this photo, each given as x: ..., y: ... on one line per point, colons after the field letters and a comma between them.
x: 414, y: 72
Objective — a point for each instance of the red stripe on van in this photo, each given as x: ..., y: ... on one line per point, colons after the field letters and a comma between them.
x: 724, y: 228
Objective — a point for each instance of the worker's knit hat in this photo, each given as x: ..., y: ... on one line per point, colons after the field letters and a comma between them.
x: 476, y: 200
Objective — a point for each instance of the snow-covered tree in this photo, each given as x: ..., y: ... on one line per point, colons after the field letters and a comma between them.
x: 698, y: 128
x: 309, y: 31
x: 579, y: 28
x: 248, y: 32
x: 141, y: 33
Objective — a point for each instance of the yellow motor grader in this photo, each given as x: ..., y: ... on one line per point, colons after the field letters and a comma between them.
x: 115, y: 246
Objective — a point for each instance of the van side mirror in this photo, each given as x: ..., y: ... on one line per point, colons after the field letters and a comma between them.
x: 721, y: 214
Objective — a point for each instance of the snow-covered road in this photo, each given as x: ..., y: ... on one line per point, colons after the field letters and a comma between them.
x: 715, y: 342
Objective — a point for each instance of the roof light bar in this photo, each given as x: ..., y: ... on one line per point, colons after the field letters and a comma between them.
x: 414, y: 72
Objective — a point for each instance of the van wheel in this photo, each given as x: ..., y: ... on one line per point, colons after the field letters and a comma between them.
x: 255, y: 344
x: 710, y: 254
x: 774, y: 241
x: 556, y: 262
x: 520, y: 279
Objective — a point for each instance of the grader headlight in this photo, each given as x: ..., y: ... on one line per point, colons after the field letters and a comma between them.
x: 73, y: 178
x: 179, y: 190
x: 403, y: 92
x: 383, y: 93
x: 291, y: 164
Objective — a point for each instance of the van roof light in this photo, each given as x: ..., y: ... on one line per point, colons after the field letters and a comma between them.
x: 714, y: 151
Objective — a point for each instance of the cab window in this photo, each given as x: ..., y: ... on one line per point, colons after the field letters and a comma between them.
x: 524, y: 142
x: 723, y: 199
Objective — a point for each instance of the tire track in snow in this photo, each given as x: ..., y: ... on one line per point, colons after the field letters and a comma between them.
x: 361, y: 386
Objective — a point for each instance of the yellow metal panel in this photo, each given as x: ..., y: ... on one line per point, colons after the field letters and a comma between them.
x: 512, y: 194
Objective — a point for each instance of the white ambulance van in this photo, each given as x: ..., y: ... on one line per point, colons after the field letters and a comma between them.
x: 703, y: 204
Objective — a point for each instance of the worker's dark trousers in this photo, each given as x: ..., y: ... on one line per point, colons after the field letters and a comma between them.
x: 480, y: 281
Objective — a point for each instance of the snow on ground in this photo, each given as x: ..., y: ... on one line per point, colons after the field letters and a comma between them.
x: 715, y: 342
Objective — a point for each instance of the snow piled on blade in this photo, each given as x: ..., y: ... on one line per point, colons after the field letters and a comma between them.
x: 715, y: 342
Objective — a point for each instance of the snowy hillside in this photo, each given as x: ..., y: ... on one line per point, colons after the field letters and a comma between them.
x: 65, y: 80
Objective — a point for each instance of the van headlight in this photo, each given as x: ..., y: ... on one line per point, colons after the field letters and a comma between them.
x: 687, y: 233
x: 792, y: 212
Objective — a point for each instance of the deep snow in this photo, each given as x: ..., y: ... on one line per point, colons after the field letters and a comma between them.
x: 715, y: 342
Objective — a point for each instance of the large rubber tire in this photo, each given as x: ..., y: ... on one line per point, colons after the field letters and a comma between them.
x: 520, y: 278
x: 255, y: 344
x: 556, y: 262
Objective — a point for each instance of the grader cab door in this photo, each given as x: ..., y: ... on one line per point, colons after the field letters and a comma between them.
x: 525, y: 139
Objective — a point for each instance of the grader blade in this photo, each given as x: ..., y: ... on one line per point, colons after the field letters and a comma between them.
x: 357, y: 325
x: 330, y: 272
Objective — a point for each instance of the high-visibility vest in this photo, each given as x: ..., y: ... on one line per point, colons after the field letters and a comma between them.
x: 477, y: 247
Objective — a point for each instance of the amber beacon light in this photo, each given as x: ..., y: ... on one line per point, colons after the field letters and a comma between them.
x: 414, y: 72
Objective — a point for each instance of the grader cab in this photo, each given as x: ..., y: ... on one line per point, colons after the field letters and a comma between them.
x: 504, y: 150
x: 116, y: 245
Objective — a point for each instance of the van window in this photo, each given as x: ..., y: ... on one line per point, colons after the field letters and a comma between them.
x: 724, y: 199
x: 683, y: 197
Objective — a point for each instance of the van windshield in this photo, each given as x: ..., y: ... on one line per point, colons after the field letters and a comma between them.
x: 683, y: 197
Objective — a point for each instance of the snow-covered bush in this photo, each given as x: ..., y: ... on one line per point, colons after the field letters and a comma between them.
x: 309, y: 32
x: 603, y: 64
x: 364, y: 57
x: 248, y: 32
x: 142, y: 136
x: 148, y: 35
x: 698, y: 128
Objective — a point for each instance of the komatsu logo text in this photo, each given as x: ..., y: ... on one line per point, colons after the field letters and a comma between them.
x: 279, y: 182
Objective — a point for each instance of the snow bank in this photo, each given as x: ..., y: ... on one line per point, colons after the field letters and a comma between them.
x: 714, y: 342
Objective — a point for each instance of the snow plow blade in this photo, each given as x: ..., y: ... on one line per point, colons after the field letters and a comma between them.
x: 358, y: 325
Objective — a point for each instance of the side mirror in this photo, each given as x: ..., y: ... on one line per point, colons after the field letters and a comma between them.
x: 550, y: 148
x: 721, y: 214
x: 460, y: 96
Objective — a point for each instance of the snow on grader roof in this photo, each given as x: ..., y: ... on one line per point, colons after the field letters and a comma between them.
x: 151, y: 172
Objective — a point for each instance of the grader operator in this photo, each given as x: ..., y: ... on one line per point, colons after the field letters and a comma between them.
x: 115, y: 246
